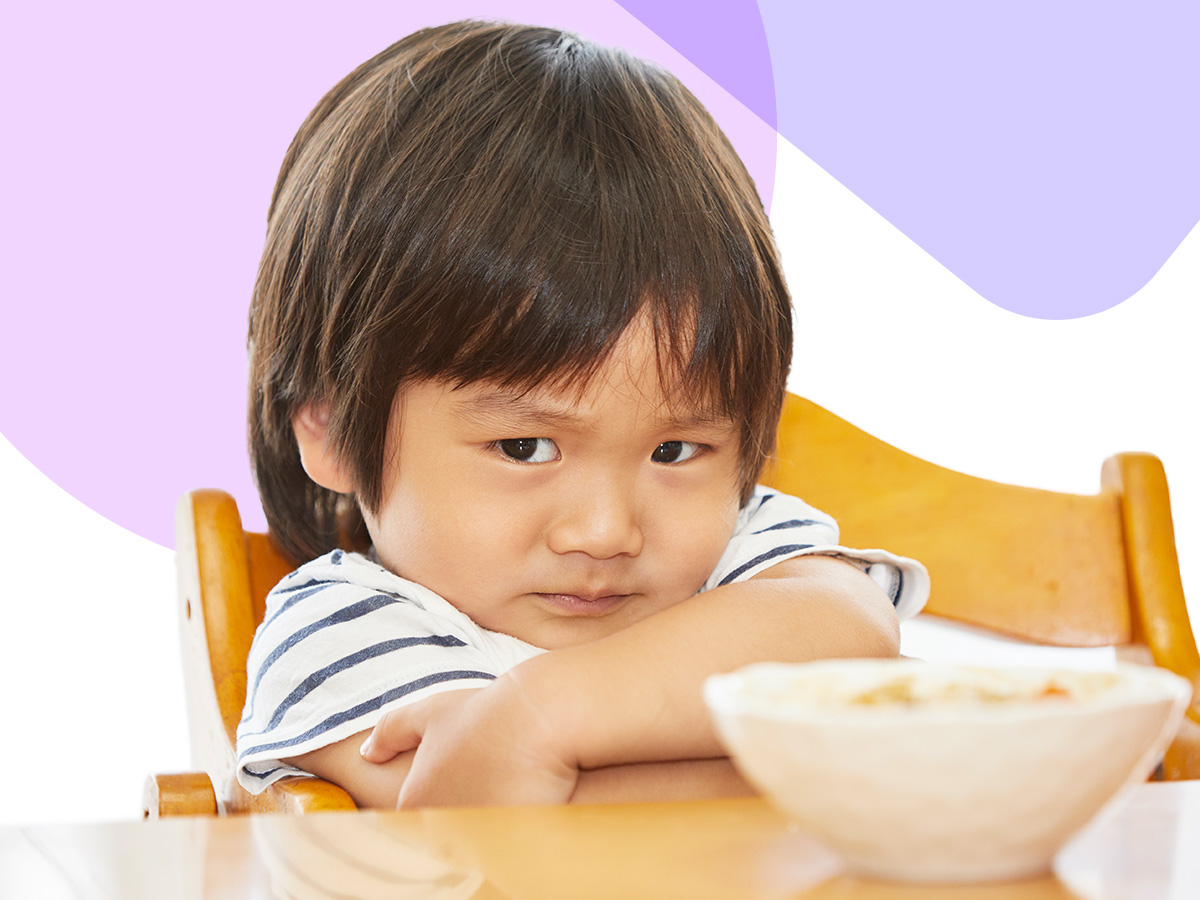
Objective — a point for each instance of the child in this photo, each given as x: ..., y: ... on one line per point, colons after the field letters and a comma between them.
x: 520, y: 333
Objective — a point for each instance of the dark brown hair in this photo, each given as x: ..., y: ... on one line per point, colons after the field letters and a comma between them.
x: 493, y: 202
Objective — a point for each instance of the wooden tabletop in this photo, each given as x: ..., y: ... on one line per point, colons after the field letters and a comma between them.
x: 1149, y: 849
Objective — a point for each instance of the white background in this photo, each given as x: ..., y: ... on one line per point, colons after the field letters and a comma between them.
x: 887, y: 338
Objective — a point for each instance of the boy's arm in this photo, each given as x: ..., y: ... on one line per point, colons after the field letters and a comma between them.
x: 378, y: 786
x: 371, y: 786
x: 648, y: 703
x: 636, y: 695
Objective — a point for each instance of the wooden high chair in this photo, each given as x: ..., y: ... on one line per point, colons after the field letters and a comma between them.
x: 1051, y: 568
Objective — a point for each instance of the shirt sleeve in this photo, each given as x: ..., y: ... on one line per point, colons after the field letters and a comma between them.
x: 331, y: 656
x: 774, y: 526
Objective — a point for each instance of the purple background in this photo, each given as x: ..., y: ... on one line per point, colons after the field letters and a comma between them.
x: 143, y: 144
x: 1044, y: 153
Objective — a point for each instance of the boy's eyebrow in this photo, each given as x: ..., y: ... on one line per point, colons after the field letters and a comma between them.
x: 516, y: 406
x: 495, y: 404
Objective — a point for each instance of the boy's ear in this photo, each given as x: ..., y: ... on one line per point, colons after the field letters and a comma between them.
x: 310, y: 424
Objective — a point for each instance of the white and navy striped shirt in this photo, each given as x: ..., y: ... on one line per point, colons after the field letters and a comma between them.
x: 344, y: 640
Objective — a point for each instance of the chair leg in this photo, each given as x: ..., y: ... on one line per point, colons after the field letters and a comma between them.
x: 184, y: 794
x: 1182, y: 759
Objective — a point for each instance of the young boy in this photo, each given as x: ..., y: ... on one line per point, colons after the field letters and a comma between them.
x: 520, y: 333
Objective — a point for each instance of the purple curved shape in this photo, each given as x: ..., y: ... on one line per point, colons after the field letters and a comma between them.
x: 1046, y: 153
x: 726, y: 41
x: 145, y: 143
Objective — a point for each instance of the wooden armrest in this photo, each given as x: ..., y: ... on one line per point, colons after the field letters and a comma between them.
x: 299, y: 796
x: 192, y: 794
x: 182, y: 794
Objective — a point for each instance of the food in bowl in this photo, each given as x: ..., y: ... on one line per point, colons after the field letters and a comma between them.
x: 929, y: 686
x: 925, y: 772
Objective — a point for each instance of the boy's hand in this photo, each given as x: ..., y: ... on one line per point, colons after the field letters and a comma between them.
x: 475, y: 748
x: 401, y: 729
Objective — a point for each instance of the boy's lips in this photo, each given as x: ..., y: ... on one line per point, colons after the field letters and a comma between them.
x: 590, y: 604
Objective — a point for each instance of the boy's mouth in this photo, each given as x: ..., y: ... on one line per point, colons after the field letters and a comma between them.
x: 592, y: 604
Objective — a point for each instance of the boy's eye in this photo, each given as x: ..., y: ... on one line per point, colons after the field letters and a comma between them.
x: 529, y: 450
x: 674, y: 451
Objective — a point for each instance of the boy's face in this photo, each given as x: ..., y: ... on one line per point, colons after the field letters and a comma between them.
x: 554, y: 517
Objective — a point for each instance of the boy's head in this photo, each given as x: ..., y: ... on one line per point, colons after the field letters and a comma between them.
x: 493, y: 204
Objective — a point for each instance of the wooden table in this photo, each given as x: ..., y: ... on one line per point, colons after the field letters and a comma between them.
x: 742, y: 849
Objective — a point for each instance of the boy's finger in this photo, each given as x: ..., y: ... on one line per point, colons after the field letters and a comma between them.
x: 395, y: 733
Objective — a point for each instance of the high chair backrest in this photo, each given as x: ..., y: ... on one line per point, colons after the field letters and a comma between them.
x: 1036, y: 565
x: 1042, y: 566
x: 1053, y: 568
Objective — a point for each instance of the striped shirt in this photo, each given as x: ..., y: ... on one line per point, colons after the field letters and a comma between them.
x: 344, y: 640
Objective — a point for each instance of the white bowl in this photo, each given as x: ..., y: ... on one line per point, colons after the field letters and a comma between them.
x: 920, y: 772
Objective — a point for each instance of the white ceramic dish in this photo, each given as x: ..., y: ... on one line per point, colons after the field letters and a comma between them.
x: 920, y: 772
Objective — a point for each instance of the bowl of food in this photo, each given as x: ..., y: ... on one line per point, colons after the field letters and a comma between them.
x: 921, y: 772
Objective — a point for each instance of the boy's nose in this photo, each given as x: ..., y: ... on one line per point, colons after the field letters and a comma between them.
x: 600, y: 520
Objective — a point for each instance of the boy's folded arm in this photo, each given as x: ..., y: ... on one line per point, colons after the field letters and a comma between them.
x: 637, y: 695
x: 377, y: 786
x: 685, y: 779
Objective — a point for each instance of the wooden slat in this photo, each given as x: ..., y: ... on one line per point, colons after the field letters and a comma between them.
x: 1155, y: 585
x: 1037, y: 565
